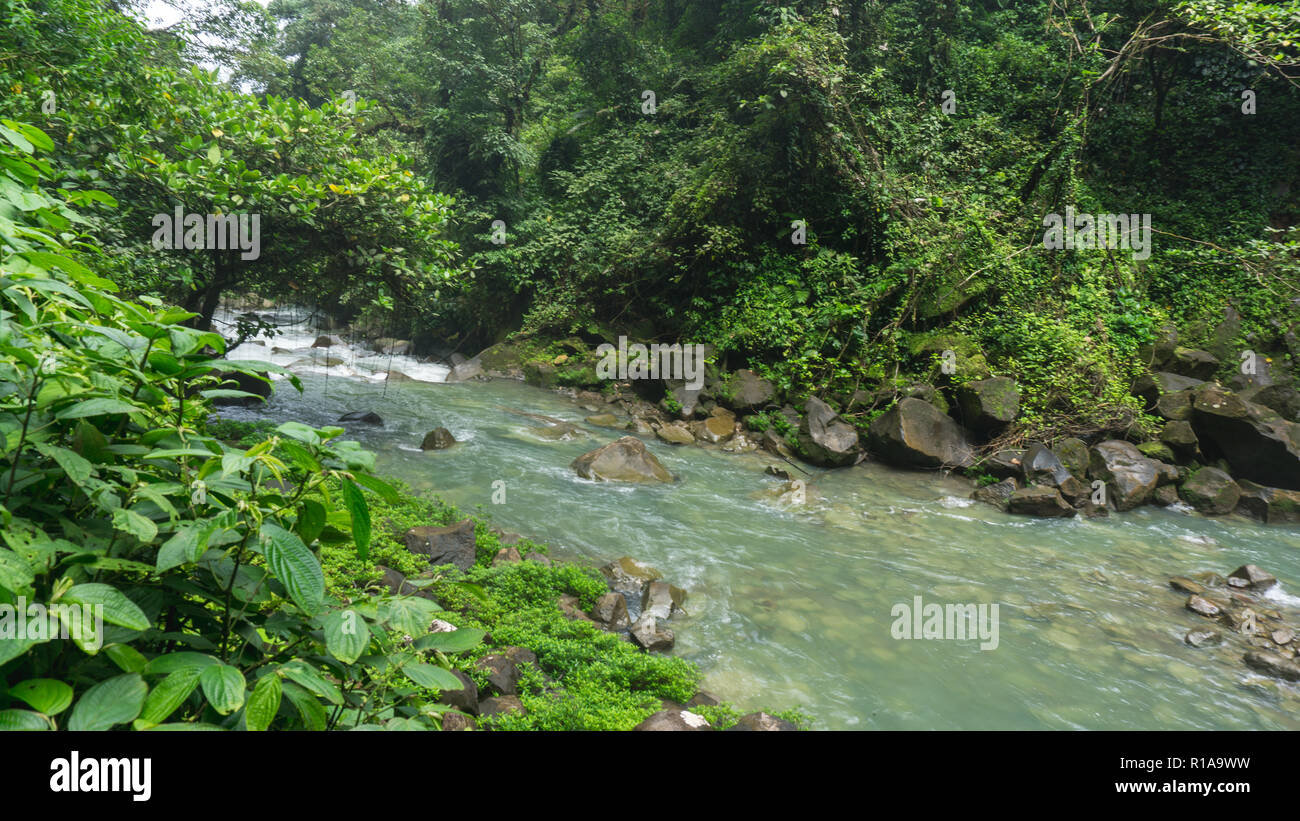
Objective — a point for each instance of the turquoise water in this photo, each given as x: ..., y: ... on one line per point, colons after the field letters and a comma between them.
x: 791, y: 606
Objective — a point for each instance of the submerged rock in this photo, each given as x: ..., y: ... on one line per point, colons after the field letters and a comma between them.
x: 368, y: 417
x: 762, y: 722
x: 627, y: 575
x: 623, y: 460
x: 997, y: 494
x: 1273, y: 664
x: 437, y: 439
x: 915, y: 434
x: 661, y: 599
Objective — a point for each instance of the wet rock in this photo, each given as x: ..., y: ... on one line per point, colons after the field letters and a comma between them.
x: 499, y: 705
x: 762, y: 722
x: 773, y: 442
x: 1255, y: 578
x: 1180, y: 438
x: 704, y: 699
x: 1204, y: 607
x: 824, y: 438
x: 997, y: 494
x: 457, y: 722
x: 437, y: 439
x: 646, y: 633
x: 1268, y: 504
x: 717, y: 429
x: 747, y: 391
x: 1186, y: 585
x: 740, y: 443
x: 570, y: 609
x: 559, y: 432
x: 1004, y: 464
x: 684, y: 399
x: 326, y: 341
x: 1165, y: 495
x: 1039, y: 500
x: 465, y: 699
x: 502, y: 359
x: 506, y: 555
x: 627, y: 575
x: 393, y: 347
x: 466, y: 370
x: 915, y: 434
x: 1282, y: 636
x: 623, y: 460
x: 661, y: 599
x: 1193, y: 363
x: 673, y: 721
x: 1203, y: 638
x: 368, y: 417
x: 675, y: 433
x: 1258, y: 443
x: 988, y: 404
x: 1130, y: 477
x: 1211, y: 491
x: 1272, y: 664
x: 611, y: 612
x: 397, y: 376
x: 1157, y: 450
x: 541, y: 374
x: 778, y: 471
x: 453, y: 544
x: 502, y: 674
x: 603, y: 420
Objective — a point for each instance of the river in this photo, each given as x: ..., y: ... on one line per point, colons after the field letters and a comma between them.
x: 792, y: 606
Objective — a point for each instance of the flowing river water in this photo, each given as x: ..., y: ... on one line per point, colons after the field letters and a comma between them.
x: 791, y: 606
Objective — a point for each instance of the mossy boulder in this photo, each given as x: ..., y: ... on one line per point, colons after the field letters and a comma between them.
x: 1157, y: 450
x: 988, y: 404
x: 1211, y: 491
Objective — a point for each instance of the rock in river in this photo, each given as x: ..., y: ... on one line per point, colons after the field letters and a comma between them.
x: 623, y: 460
x: 437, y: 439
x: 1130, y: 477
x: 916, y: 434
x: 824, y: 438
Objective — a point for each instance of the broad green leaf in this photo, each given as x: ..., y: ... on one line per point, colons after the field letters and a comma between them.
x: 117, y: 608
x: 96, y: 407
x: 45, y: 695
x: 113, y: 701
x: 360, y: 513
x: 224, y: 687
x: 411, y: 615
x: 11, y: 720
x: 126, y: 657
x: 301, y: 672
x: 172, y: 662
x: 346, y: 635
x: 141, y: 527
x: 295, y: 566
x: 455, y: 641
x: 311, y: 710
x: 311, y: 520
x: 169, y: 694
x: 386, y: 491
x: 427, y: 675
x: 76, y: 468
x: 263, y: 703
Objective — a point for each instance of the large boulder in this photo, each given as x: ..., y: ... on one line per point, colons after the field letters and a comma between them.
x: 366, y: 417
x: 675, y: 433
x: 1193, y: 363
x: 453, y: 544
x: 1273, y: 664
x: 824, y: 438
x: 1042, y: 466
x: 467, y: 370
x: 915, y: 434
x: 611, y: 612
x: 1268, y: 504
x: 1256, y: 441
x: 1180, y: 438
x: 1130, y: 477
x: 1282, y: 398
x: 1211, y: 491
x: 988, y: 404
x: 623, y: 460
x: 747, y: 391
x: 646, y: 633
x: 1039, y: 500
x: 1073, y: 453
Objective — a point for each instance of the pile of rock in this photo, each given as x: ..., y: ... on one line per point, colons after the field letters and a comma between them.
x: 1237, y: 603
x: 638, y: 603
